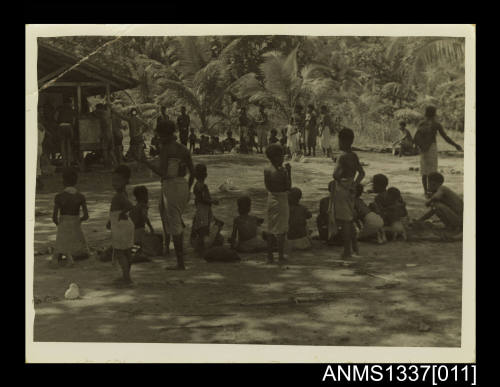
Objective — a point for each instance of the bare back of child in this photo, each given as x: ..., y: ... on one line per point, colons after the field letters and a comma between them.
x: 70, y: 240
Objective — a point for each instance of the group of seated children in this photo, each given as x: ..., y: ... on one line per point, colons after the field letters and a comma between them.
x: 343, y: 216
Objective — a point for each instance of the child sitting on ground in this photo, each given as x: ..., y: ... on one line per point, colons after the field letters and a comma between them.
x: 277, y: 180
x: 446, y: 205
x: 245, y: 237
x: 322, y: 220
x: 389, y: 205
x: 348, y: 173
x: 368, y: 222
x: 122, y: 227
x: 394, y: 213
x: 70, y: 240
x: 203, y: 234
x: 298, y: 235
x: 229, y: 143
x: 273, y: 139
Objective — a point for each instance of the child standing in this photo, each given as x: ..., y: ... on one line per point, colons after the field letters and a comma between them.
x: 139, y: 214
x: 201, y: 233
x: 122, y: 227
x: 278, y: 182
x: 293, y: 139
x: 70, y: 239
x: 347, y: 174
x: 298, y: 235
x: 192, y: 140
x: 245, y: 236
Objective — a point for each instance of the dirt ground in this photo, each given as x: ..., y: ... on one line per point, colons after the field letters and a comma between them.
x: 397, y: 294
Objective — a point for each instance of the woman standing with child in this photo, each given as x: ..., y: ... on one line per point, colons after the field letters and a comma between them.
x: 175, y: 163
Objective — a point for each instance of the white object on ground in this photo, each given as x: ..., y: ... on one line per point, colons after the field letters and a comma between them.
x: 228, y: 185
x: 73, y: 292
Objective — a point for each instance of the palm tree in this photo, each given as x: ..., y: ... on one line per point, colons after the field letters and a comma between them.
x: 202, y: 80
x: 283, y: 85
x: 428, y: 51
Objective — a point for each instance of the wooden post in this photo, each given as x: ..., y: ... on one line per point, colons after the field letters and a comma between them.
x: 79, y: 99
x: 108, y: 104
x: 78, y: 114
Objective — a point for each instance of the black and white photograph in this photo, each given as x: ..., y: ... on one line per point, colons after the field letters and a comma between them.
x: 251, y: 185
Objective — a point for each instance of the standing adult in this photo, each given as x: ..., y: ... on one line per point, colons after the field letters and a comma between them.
x: 326, y: 131
x: 107, y: 144
x: 51, y: 143
x: 243, y: 126
x: 425, y: 139
x: 311, y: 130
x: 183, y: 122
x: 262, y: 129
x: 163, y: 118
x: 116, y: 123
x: 66, y: 118
x: 299, y: 119
x: 137, y: 145
x: 175, y: 163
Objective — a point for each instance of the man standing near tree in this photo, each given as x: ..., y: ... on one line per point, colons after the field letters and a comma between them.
x: 107, y: 143
x: 183, y: 122
x: 244, y: 130
x: 311, y: 130
x: 262, y: 123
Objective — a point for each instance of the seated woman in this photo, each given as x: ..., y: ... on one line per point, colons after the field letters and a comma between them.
x: 298, y: 236
x: 245, y: 237
x: 404, y: 146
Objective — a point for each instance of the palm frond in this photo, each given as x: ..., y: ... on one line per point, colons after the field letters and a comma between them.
x: 290, y: 64
x: 228, y: 51
x: 245, y: 86
x: 278, y: 79
x: 194, y: 55
x: 183, y: 92
x: 438, y: 50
